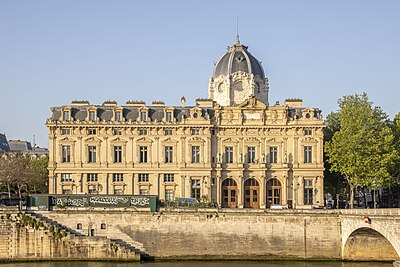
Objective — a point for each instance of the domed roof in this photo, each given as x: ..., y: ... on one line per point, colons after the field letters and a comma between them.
x: 237, y: 58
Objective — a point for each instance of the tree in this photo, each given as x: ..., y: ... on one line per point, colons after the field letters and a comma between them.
x: 23, y: 174
x: 334, y: 182
x: 362, y: 149
x: 38, y: 175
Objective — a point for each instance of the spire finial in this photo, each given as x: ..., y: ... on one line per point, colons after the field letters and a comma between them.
x: 237, y: 31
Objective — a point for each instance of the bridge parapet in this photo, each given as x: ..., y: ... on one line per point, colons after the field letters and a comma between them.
x: 385, y: 212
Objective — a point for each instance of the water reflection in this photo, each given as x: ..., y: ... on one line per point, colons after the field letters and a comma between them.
x: 201, y: 264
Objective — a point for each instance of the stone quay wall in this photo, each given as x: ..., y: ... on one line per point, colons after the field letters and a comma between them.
x: 215, y: 234
x: 19, y: 242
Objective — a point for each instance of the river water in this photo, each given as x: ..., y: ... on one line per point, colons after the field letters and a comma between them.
x: 201, y: 264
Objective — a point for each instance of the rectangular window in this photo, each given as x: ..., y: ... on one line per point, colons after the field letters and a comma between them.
x: 169, y: 151
x: 307, y: 132
x: 66, y: 177
x: 251, y: 154
x: 143, y: 192
x: 143, y: 177
x: 91, y: 154
x: 195, y: 189
x: 92, y: 116
x: 117, y: 116
x: 91, y: 131
x: 66, y: 154
x: 118, y: 177
x: 117, y: 153
x: 117, y: 131
x: 308, y: 154
x: 143, y: 116
x: 92, y: 177
x: 118, y: 192
x: 167, y: 132
x: 142, y: 132
x: 65, y: 131
x: 308, y: 192
x: 168, y: 116
x: 66, y: 115
x: 66, y: 191
x: 228, y: 154
x: 168, y: 177
x: 195, y: 131
x: 143, y: 154
x: 92, y: 191
x: 195, y: 154
x: 273, y: 154
x: 169, y: 194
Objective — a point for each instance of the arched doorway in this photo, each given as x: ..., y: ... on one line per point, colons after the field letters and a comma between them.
x: 274, y: 192
x: 251, y: 194
x: 229, y: 193
x: 368, y: 244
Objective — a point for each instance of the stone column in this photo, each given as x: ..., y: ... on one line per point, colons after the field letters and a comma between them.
x: 301, y: 191
x: 263, y: 194
x: 218, y: 183
x: 240, y: 192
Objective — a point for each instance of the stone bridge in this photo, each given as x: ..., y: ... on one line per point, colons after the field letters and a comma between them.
x: 370, y: 234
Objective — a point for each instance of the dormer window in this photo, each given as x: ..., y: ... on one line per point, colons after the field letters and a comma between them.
x: 117, y: 115
x: 66, y: 115
x: 91, y: 131
x: 168, y: 116
x: 143, y: 116
x: 117, y: 132
x: 307, y: 132
x: 92, y: 115
x: 142, y: 132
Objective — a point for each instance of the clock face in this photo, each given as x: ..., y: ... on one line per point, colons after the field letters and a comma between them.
x: 239, y: 86
x: 221, y: 87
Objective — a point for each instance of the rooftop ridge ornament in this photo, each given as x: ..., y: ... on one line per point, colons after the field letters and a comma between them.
x: 237, y: 31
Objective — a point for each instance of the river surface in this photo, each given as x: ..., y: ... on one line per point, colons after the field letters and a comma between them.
x: 200, y: 264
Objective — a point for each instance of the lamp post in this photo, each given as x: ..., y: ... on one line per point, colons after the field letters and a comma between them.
x: 373, y: 196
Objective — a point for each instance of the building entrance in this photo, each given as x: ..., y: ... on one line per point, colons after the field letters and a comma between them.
x: 229, y: 193
x: 251, y: 194
x: 274, y: 192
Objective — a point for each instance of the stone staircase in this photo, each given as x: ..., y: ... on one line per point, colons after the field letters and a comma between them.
x: 122, y: 241
x: 120, y: 237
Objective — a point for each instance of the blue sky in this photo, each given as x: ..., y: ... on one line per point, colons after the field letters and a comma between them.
x: 53, y: 52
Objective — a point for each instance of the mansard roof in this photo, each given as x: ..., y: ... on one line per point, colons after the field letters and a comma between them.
x: 130, y: 113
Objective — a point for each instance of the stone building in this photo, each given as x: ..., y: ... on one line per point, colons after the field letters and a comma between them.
x: 232, y: 148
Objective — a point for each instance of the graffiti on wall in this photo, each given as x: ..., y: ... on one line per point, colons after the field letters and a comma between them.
x: 101, y: 201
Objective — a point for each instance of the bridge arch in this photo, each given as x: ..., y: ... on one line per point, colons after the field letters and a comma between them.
x: 367, y: 241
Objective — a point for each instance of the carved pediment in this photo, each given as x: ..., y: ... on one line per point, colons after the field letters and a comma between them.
x: 252, y: 102
x: 196, y: 139
x: 92, y: 140
x: 310, y: 140
x: 229, y: 140
x: 67, y: 140
x: 118, y: 140
x: 169, y: 140
x: 144, y: 140
x: 252, y: 140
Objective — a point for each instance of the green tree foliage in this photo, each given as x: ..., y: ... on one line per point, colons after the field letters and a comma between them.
x: 23, y: 174
x: 334, y: 182
x: 362, y: 149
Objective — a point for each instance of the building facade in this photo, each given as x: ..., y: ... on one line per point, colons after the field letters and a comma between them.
x: 232, y: 148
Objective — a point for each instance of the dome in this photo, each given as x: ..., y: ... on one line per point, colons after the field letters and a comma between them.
x: 237, y: 58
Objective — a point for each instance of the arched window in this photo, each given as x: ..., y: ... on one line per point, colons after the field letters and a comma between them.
x: 79, y: 226
x: 103, y: 226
